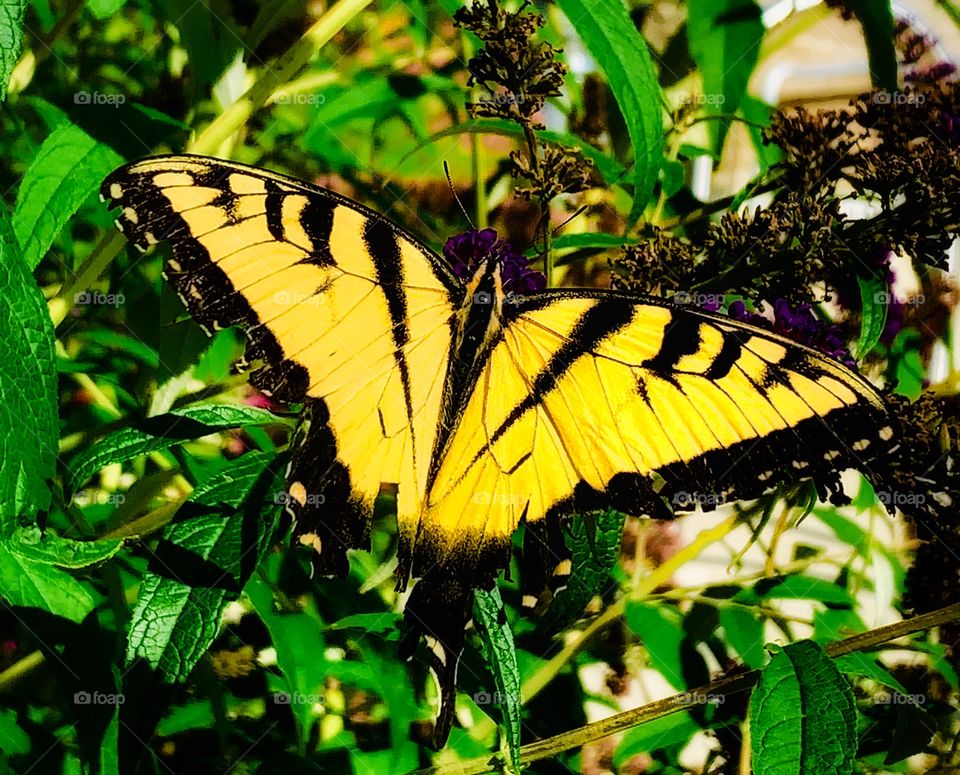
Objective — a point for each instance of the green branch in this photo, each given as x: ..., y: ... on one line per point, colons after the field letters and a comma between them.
x: 727, y: 686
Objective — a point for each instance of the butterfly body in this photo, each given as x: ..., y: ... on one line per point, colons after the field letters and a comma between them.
x: 483, y: 406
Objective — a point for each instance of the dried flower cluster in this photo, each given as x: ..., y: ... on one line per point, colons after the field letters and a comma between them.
x: 928, y: 472
x: 899, y: 151
x: 519, y: 73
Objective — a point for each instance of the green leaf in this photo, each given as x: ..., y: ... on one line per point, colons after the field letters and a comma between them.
x: 104, y: 9
x: 66, y: 171
x: 109, y: 744
x: 211, y: 40
x: 662, y: 634
x: 675, y: 729
x: 500, y: 656
x: 672, y: 176
x: 161, y: 432
x: 31, y: 584
x: 744, y: 631
x: 724, y: 40
x: 913, y: 731
x: 202, y: 563
x: 876, y: 19
x: 591, y: 562
x: 393, y: 685
x: 800, y: 588
x: 13, y: 740
x: 382, y: 624
x: 600, y: 240
x: 908, y: 363
x: 298, y: 639
x: 859, y: 663
x: 758, y: 113
x: 50, y: 549
x: 618, y: 48
x: 802, y: 715
x: 113, y: 340
x: 197, y: 714
x: 11, y: 38
x: 874, y: 298
x: 28, y: 389
x: 269, y: 16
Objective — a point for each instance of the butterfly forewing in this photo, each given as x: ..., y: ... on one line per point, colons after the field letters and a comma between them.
x: 346, y: 312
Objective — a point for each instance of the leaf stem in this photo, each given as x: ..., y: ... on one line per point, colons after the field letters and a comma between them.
x: 234, y: 117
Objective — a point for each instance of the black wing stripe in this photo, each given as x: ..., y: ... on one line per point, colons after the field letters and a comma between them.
x: 384, y: 249
x: 598, y: 323
x: 681, y: 337
x: 725, y: 359
x: 274, y: 209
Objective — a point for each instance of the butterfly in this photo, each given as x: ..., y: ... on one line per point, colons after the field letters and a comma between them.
x: 484, y: 408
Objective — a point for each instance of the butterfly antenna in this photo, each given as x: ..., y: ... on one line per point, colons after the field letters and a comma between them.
x: 560, y: 226
x: 453, y: 190
x: 556, y: 229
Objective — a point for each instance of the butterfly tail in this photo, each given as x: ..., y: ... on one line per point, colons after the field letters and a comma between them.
x: 439, y: 610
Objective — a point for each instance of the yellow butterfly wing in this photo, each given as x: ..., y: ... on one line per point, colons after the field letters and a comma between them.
x: 599, y: 399
x: 348, y: 314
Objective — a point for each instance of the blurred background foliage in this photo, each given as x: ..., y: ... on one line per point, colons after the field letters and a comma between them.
x: 156, y: 621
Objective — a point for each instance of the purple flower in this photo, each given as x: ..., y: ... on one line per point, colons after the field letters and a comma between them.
x: 800, y: 324
x: 932, y: 74
x: 466, y: 251
x: 803, y: 325
x: 951, y: 127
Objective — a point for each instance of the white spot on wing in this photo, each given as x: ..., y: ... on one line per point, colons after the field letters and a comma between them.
x: 434, y: 645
